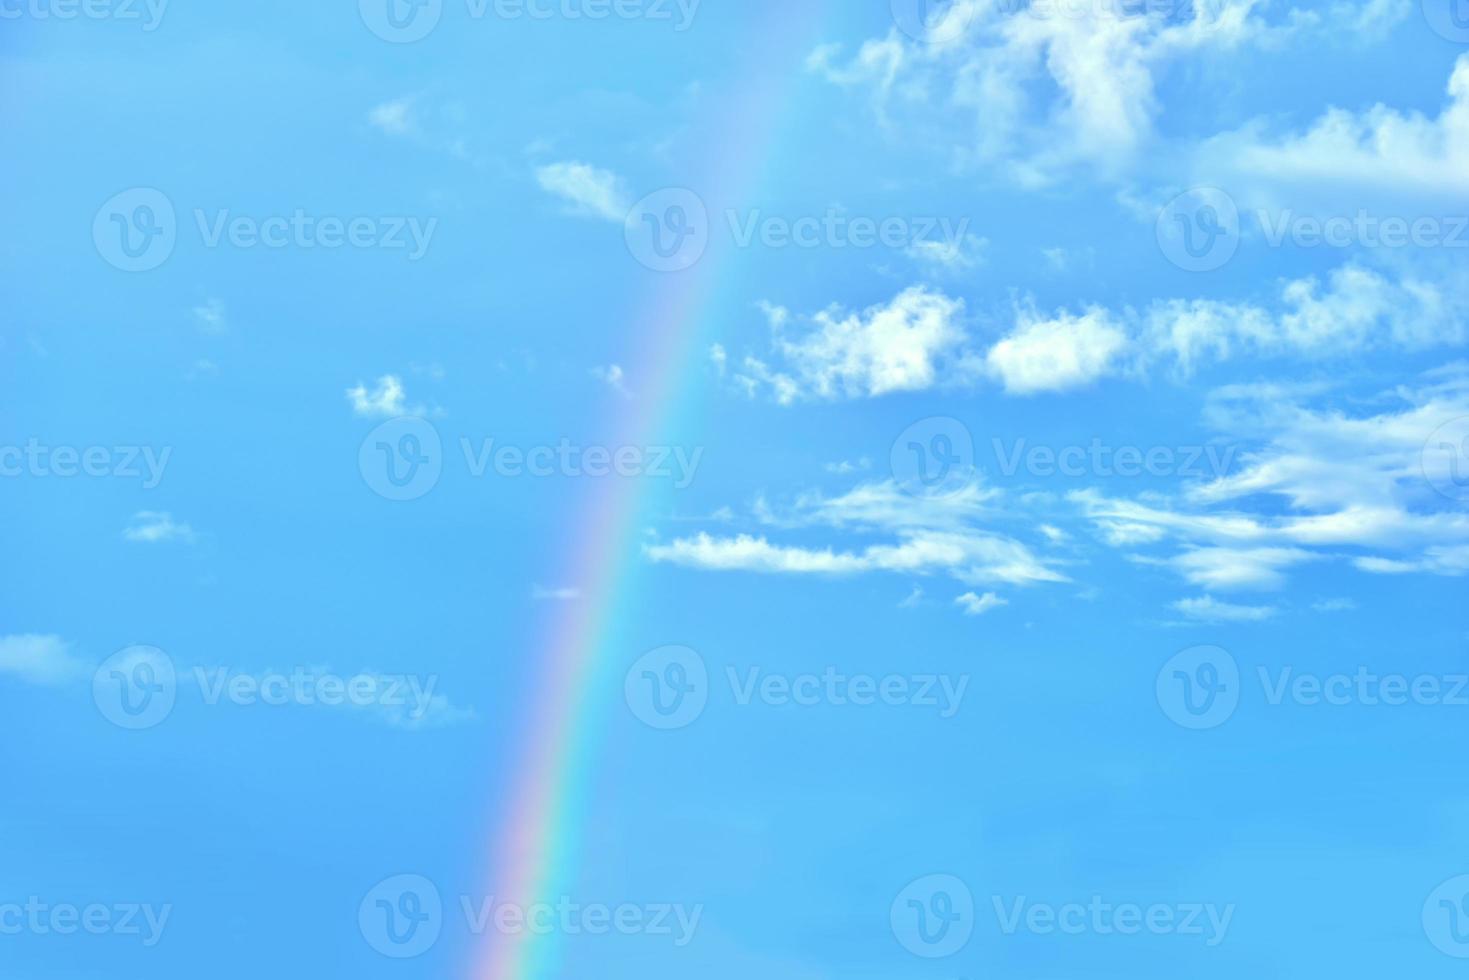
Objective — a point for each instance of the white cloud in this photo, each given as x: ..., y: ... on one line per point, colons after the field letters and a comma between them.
x: 951, y: 256
x: 1358, y: 309
x: 942, y: 535
x: 969, y: 556
x: 1034, y: 91
x: 1046, y: 87
x: 1211, y: 610
x: 847, y: 467
x: 591, y: 192
x: 612, y: 376
x: 394, y: 117
x: 384, y: 401
x: 1333, y: 605
x: 1057, y: 354
x: 978, y: 605
x: 904, y: 345
x: 1323, y: 485
x: 1380, y: 147
x: 156, y: 527
x: 210, y: 316
x: 40, y: 659
x: 918, y: 341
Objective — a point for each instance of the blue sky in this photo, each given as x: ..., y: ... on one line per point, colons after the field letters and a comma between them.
x: 1051, y: 499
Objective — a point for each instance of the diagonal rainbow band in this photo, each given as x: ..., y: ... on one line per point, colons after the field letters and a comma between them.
x: 541, y: 832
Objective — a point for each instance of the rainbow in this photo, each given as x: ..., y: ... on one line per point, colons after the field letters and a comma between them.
x: 535, y: 850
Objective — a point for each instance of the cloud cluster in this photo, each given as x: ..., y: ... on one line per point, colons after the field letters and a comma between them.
x: 1323, y: 486
x: 920, y: 339
x: 1048, y: 86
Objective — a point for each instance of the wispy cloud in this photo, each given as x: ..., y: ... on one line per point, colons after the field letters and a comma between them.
x: 40, y: 659
x: 386, y: 400
x: 978, y: 605
x: 590, y: 191
x: 1210, y: 610
x: 157, y: 527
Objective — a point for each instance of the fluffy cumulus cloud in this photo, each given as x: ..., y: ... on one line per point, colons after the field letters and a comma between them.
x: 978, y: 605
x: 387, y: 399
x: 1038, y: 89
x: 1379, y: 147
x: 908, y: 344
x: 919, y: 340
x: 589, y: 191
x: 1058, y: 353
